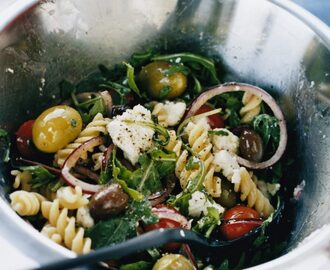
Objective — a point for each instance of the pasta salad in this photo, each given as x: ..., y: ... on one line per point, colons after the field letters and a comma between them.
x: 155, y: 142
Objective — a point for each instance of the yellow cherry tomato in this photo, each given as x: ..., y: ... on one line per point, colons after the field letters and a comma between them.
x: 55, y: 128
x: 155, y: 78
x: 173, y: 262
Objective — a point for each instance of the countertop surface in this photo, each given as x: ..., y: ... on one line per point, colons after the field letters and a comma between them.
x: 10, y: 257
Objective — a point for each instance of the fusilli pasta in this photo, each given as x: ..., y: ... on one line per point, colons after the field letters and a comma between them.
x: 51, y: 232
x: 22, y: 179
x: 93, y: 129
x: 251, y: 107
x: 251, y: 194
x: 161, y: 114
x: 66, y: 227
x: 26, y: 203
x: 199, y: 142
x: 71, y: 198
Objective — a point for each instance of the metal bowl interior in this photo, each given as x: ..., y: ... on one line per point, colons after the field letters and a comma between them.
x: 256, y: 42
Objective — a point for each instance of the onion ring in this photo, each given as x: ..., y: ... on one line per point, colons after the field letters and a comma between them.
x: 71, y: 161
x: 267, y: 98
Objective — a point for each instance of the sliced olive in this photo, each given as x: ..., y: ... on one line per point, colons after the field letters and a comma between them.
x: 228, y: 197
x: 160, y: 82
x: 250, y: 145
x: 109, y: 201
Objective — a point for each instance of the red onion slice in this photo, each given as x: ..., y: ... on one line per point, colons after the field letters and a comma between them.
x: 72, y: 160
x: 160, y: 196
x: 267, y: 98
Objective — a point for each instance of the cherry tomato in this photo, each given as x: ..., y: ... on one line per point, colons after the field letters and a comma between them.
x: 168, y: 218
x: 55, y: 128
x: 24, y: 139
x: 215, y: 120
x: 239, y: 221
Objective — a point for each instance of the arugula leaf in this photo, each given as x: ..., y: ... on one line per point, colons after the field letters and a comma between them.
x: 218, y: 132
x: 177, y: 68
x: 116, y: 171
x: 180, y: 201
x: 131, y: 79
x: 268, y: 128
x: 140, y: 59
x: 141, y: 265
x: 120, y: 90
x: 208, y: 223
x: 123, y: 227
x: 4, y: 146
x: 90, y: 108
x: 165, y: 90
x: 42, y: 178
x: 153, y: 166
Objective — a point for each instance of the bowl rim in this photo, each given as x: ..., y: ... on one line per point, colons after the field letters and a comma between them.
x: 321, y: 236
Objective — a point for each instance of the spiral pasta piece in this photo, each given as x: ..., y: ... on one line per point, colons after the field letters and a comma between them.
x: 71, y: 197
x: 251, y: 107
x: 66, y: 227
x: 201, y: 147
x: 26, y: 203
x: 96, y: 127
x: 174, y: 143
x: 51, y: 232
x: 251, y: 194
x: 97, y: 159
x: 22, y: 179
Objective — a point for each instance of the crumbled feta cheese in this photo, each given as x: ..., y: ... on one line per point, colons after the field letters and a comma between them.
x: 132, y: 138
x: 169, y: 113
x: 228, y: 141
x: 199, y: 203
x: 227, y: 164
x: 84, y: 218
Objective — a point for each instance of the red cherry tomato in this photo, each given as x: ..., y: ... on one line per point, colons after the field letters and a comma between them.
x: 168, y: 218
x: 24, y: 139
x: 239, y: 221
x: 215, y: 120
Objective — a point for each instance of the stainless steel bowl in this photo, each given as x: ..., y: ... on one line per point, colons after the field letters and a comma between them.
x: 272, y: 44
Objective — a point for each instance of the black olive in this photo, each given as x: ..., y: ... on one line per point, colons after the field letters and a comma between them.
x: 251, y: 145
x: 228, y: 197
x: 109, y: 201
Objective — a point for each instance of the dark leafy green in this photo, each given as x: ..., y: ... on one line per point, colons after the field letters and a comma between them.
x: 153, y: 167
x: 267, y: 127
x: 208, y: 223
x: 122, y: 227
x: 141, y: 265
x: 4, y: 146
x: 131, y: 79
x: 232, y: 103
x: 42, y: 178
x: 218, y: 132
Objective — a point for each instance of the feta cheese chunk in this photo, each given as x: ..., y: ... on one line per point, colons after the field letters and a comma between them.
x: 224, y: 140
x: 169, y: 113
x: 227, y: 164
x: 199, y: 203
x: 132, y: 138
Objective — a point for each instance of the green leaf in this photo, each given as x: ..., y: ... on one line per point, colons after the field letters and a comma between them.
x: 208, y: 223
x: 165, y: 162
x: 90, y: 108
x: 118, y: 89
x: 165, y: 90
x: 180, y: 201
x: 42, y: 178
x: 141, y: 265
x: 140, y: 59
x: 131, y: 79
x: 4, y: 146
x: 267, y: 127
x: 175, y: 68
x: 218, y: 132
x: 116, y: 171
x: 122, y: 227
